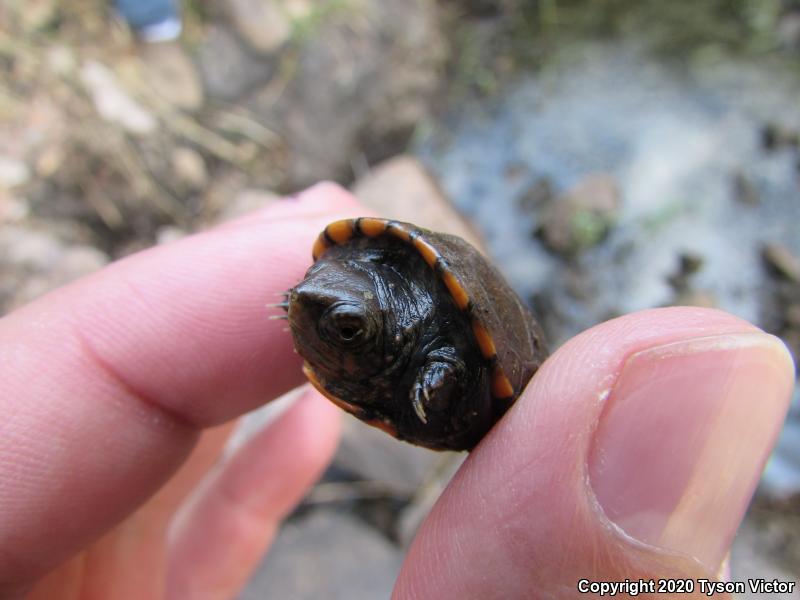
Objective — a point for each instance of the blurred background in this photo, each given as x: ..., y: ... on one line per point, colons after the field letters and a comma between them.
x: 610, y: 155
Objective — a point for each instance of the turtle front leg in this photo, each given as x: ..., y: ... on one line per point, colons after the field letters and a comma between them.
x: 436, y: 381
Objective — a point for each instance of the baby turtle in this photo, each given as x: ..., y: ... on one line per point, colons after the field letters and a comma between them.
x: 412, y: 331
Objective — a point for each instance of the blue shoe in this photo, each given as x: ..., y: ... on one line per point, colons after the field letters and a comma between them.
x: 151, y: 20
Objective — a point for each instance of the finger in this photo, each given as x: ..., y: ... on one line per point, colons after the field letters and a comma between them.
x: 220, y: 536
x: 104, y: 383
x: 103, y: 570
x: 632, y: 453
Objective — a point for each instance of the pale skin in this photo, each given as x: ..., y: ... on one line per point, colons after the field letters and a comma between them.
x: 119, y: 391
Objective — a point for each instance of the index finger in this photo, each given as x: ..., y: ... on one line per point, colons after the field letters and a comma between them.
x: 105, y: 383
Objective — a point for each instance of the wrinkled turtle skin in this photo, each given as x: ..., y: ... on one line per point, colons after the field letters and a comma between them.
x: 412, y: 331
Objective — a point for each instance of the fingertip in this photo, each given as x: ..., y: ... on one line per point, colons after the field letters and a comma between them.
x: 520, y: 516
x: 681, y: 440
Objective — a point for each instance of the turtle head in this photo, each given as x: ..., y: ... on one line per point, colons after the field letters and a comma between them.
x: 337, y: 323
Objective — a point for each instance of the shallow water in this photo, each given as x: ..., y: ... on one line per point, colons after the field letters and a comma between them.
x: 673, y: 136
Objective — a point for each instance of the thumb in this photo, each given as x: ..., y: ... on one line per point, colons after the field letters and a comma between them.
x: 632, y: 454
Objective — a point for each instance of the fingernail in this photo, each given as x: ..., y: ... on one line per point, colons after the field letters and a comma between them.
x: 684, y: 436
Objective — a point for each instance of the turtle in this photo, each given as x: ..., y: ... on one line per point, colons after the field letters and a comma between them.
x: 412, y: 331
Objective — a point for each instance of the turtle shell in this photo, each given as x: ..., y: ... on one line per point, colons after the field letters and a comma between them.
x: 412, y: 331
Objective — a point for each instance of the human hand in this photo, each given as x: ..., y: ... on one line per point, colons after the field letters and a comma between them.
x: 632, y: 454
x: 173, y: 340
x: 105, y: 386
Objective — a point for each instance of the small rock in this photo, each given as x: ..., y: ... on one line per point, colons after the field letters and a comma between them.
x: 402, y: 189
x: 266, y: 25
x: 168, y: 234
x: 581, y: 218
x: 776, y: 137
x: 227, y: 68
x: 77, y: 261
x: 744, y: 190
x: 782, y: 261
x: 34, y: 262
x: 189, y: 168
x: 538, y: 194
x: 699, y: 298
x: 172, y: 74
x: 28, y: 248
x: 50, y: 160
x: 13, y: 173
x: 112, y: 102
x: 326, y: 555
x: 688, y: 264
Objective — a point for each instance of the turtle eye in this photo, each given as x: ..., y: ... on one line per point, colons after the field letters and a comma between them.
x: 348, y: 331
x: 344, y: 325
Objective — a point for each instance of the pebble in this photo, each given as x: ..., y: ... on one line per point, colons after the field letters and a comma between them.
x: 582, y: 217
x: 172, y: 74
x: 168, y: 234
x: 112, y: 102
x: 266, y: 25
x: 190, y: 168
x: 401, y: 188
x: 782, y: 261
x: 227, y: 68
x: 34, y: 262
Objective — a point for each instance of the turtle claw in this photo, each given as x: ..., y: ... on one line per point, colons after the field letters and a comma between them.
x: 419, y: 409
x: 436, y: 384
